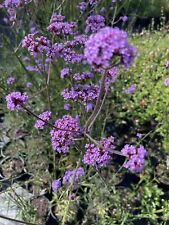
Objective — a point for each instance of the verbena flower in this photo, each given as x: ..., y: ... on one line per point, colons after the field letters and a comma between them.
x: 94, y: 23
x: 107, y: 43
x: 73, y: 176
x: 166, y: 82
x: 59, y: 27
x: 136, y: 157
x: 82, y: 93
x: 28, y: 84
x: 83, y: 76
x: 82, y: 6
x: 15, y: 100
x: 45, y: 116
x: 62, y: 139
x: 93, y: 2
x: 111, y: 76
x: 56, y: 184
x: 65, y: 72
x: 35, y: 44
x: 10, y: 80
x: 124, y: 18
x: 130, y: 90
x: 167, y: 64
x: 99, y: 156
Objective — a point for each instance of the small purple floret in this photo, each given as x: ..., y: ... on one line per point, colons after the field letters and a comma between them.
x: 45, y: 116
x: 135, y: 156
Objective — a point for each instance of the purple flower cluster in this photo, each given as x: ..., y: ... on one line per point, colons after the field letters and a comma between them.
x: 94, y: 23
x: 12, y: 6
x: 59, y: 27
x: 65, y: 72
x: 93, y: 2
x: 136, y: 157
x: 69, y: 54
x: 166, y: 82
x: 44, y: 117
x: 35, y: 44
x: 111, y: 76
x: 56, y: 184
x: 83, y: 93
x: 82, y: 6
x: 15, y: 100
x: 55, y: 51
x: 82, y: 76
x: 99, y: 156
x: 124, y: 18
x: 130, y: 90
x: 10, y: 80
x: 12, y: 3
x: 62, y: 138
x: 167, y: 64
x: 108, y: 42
x: 28, y: 85
x: 73, y: 176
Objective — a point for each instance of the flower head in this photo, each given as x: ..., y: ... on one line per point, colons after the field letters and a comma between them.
x: 15, y: 100
x: 94, y: 23
x: 73, y: 176
x: 44, y: 117
x: 136, y: 157
x: 56, y: 184
x: 107, y: 43
x: 62, y: 138
x: 99, y: 156
x: 10, y: 80
x: 166, y: 82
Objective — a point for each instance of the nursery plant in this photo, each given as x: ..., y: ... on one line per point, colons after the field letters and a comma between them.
x: 84, y: 112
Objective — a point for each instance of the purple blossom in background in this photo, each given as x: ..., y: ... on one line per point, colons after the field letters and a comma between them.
x: 82, y: 6
x: 166, y: 82
x: 62, y: 139
x: 82, y: 76
x: 59, y: 27
x: 36, y: 45
x: 167, y: 64
x: 124, y: 18
x: 89, y: 107
x: 107, y: 43
x: 10, y: 80
x: 12, y: 3
x: 93, y: 2
x: 102, y: 10
x: 111, y: 76
x: 73, y: 176
x: 15, y: 100
x: 28, y: 85
x: 97, y: 156
x: 94, y: 23
x: 56, y: 184
x: 67, y: 106
x: 65, y: 72
x: 130, y: 90
x: 11, y: 6
x: 45, y: 116
x: 57, y: 18
x: 55, y: 51
x: 80, y: 39
x: 136, y: 157
x: 139, y: 135
x: 83, y: 93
